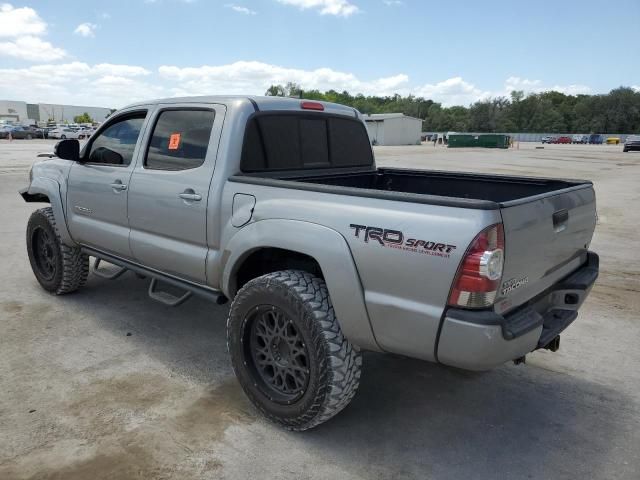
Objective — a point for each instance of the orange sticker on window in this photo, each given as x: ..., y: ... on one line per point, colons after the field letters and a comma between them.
x: 174, y: 141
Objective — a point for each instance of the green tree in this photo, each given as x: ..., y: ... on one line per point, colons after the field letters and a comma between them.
x: 552, y: 112
x: 84, y: 118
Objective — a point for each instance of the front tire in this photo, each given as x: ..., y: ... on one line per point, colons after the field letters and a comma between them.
x: 288, y: 351
x: 58, y: 268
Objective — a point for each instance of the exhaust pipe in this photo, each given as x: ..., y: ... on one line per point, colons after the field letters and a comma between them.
x: 553, y: 345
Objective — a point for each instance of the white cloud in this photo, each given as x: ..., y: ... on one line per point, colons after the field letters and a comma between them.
x: 340, y: 8
x: 453, y: 91
x: 104, y: 84
x: 636, y: 88
x: 240, y: 9
x: 114, y: 85
x: 86, y: 29
x: 31, y: 48
x: 119, y: 70
x: 393, y: 3
x: 22, y: 28
x: 536, y: 86
x: 255, y: 77
x: 15, y: 22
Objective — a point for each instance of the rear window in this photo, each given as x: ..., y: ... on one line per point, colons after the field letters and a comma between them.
x: 290, y: 141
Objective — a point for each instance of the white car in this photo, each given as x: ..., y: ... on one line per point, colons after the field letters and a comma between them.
x: 63, y: 133
x: 85, y: 132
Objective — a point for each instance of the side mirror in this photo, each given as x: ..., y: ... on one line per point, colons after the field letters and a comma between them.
x: 67, y: 149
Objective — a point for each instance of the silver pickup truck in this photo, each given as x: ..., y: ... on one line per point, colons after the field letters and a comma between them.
x: 278, y: 205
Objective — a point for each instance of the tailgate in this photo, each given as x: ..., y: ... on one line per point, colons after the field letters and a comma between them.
x: 546, y: 238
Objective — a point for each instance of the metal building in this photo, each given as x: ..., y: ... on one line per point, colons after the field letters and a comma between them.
x: 27, y: 113
x: 393, y: 129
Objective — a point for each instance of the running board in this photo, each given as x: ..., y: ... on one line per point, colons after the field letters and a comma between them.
x: 165, y: 297
x: 109, y: 276
x: 197, y: 289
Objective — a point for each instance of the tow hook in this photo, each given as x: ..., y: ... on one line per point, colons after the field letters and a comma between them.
x: 554, y: 344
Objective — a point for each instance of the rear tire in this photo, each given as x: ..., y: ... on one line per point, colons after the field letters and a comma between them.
x: 58, y: 268
x: 288, y: 351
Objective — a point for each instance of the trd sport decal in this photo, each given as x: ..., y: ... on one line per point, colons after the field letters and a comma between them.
x: 395, y: 239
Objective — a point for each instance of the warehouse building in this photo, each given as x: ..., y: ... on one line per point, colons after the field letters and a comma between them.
x: 393, y: 129
x: 30, y: 113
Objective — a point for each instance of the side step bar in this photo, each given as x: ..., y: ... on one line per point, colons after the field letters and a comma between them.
x: 165, y: 297
x: 105, y: 275
x: 156, y: 276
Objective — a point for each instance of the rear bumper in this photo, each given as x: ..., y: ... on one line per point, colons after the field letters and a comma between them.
x: 480, y: 340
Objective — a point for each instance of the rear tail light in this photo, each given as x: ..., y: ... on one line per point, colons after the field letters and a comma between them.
x: 480, y: 273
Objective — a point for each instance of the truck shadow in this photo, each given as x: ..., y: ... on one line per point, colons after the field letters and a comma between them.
x: 410, y: 419
x: 512, y: 422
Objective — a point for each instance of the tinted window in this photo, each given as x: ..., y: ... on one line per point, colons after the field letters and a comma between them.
x: 115, y: 144
x: 277, y: 141
x: 180, y: 139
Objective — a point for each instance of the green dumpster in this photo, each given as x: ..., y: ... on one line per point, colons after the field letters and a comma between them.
x: 485, y: 140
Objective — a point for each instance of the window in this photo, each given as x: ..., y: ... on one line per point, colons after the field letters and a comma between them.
x: 115, y: 144
x: 290, y: 141
x: 180, y: 139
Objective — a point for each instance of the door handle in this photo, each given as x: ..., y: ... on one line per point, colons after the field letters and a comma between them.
x: 190, y: 196
x: 118, y: 186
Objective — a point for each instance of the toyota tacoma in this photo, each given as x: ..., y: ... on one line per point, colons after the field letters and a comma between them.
x: 277, y: 204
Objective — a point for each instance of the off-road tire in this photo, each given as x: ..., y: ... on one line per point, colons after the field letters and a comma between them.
x: 70, y: 265
x: 334, y: 363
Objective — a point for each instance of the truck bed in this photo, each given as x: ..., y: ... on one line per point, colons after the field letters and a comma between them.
x: 468, y: 190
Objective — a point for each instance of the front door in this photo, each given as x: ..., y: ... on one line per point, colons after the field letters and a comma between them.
x: 169, y: 191
x: 98, y: 186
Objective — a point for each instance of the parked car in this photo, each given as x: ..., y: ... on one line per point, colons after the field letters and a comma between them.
x: 548, y: 139
x: 562, y: 139
x: 19, y: 132
x: 63, y: 133
x: 595, y: 139
x: 4, y: 129
x: 323, y: 254
x: 613, y: 140
x: 631, y: 143
x: 580, y: 139
x: 85, y: 132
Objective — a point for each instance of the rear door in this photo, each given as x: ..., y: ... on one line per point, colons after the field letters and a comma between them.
x: 170, y: 188
x: 98, y: 185
x: 545, y: 240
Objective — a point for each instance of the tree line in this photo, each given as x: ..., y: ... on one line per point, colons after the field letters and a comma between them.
x: 547, y: 112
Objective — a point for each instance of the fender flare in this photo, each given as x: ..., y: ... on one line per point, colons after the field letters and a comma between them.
x: 51, y: 189
x: 328, y: 248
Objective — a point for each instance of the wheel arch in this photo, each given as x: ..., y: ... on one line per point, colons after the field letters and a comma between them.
x: 298, y: 244
x: 47, y: 190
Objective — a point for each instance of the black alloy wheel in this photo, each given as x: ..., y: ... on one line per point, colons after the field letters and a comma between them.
x: 45, y: 252
x: 278, y: 354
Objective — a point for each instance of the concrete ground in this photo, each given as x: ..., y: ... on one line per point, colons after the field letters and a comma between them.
x: 106, y: 383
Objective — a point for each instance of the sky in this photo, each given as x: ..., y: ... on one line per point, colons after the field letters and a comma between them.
x: 112, y: 53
